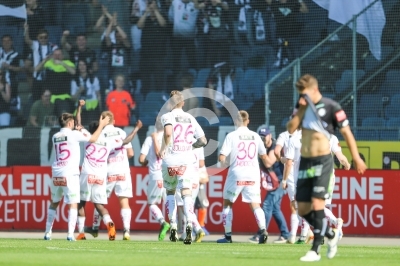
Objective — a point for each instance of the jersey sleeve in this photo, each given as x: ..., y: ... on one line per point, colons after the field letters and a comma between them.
x: 201, y: 153
x: 81, y: 136
x: 146, y: 146
x: 261, y: 147
x: 166, y: 119
x: 335, y: 145
x: 339, y: 118
x: 290, y: 152
x: 226, y: 147
x: 281, y: 139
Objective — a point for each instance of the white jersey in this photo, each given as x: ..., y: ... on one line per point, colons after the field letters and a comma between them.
x: 96, y: 155
x: 185, y: 127
x: 335, y: 146
x: 198, y: 155
x: 148, y: 150
x: 283, y: 140
x: 294, y: 153
x: 67, y: 151
x: 118, y: 159
x: 243, y: 146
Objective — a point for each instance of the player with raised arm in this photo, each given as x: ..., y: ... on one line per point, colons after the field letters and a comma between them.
x: 243, y: 146
x: 118, y: 176
x: 155, y: 187
x: 177, y: 167
x: 65, y: 170
x: 93, y: 179
x: 318, y: 117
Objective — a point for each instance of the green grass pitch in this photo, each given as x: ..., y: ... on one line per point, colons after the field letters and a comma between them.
x: 117, y: 253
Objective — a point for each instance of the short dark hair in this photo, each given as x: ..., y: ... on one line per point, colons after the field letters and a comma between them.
x: 81, y: 34
x: 93, y: 126
x: 306, y: 81
x: 42, y: 31
x: 6, y: 36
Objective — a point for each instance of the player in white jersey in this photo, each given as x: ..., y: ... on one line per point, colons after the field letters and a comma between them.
x: 243, y: 146
x: 198, y: 169
x: 93, y: 178
x: 118, y: 176
x: 65, y: 170
x: 177, y: 166
x: 337, y: 151
x: 155, y: 187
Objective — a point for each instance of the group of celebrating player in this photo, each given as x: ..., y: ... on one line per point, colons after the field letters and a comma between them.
x: 175, y: 156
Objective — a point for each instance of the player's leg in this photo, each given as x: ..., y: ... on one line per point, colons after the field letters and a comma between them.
x: 72, y: 198
x: 230, y: 194
x: 123, y: 190
x: 195, y: 222
x: 306, y: 235
x: 155, y: 192
x: 180, y: 215
x: 185, y: 186
x: 56, y: 196
x: 252, y: 194
x: 278, y: 216
x: 170, y: 183
x: 294, y: 218
x: 108, y: 222
x: 81, y: 220
x: 267, y: 207
x: 202, y: 205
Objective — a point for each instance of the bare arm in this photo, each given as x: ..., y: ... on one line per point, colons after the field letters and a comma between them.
x: 268, y: 159
x: 343, y: 160
x: 40, y: 66
x: 351, y: 143
x: 64, y: 43
x: 155, y: 144
x: 70, y: 69
x: 78, y: 112
x: 160, y: 18
x: 201, y: 142
x: 107, y: 34
x: 130, y: 137
x: 222, y: 160
x: 277, y: 152
x: 142, y: 160
x: 28, y: 40
x: 295, y: 122
x: 124, y: 37
x: 142, y: 21
x: 166, y: 140
x: 6, y: 93
x: 32, y: 120
x: 129, y: 153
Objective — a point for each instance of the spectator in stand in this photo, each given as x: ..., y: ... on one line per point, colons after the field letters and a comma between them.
x: 216, y: 29
x: 41, y: 49
x: 242, y: 22
x: 5, y: 96
x: 152, y: 24
x: 121, y: 7
x: 138, y: 8
x: 183, y: 14
x: 35, y: 17
x: 59, y: 73
x: 288, y: 27
x: 86, y: 86
x: 103, y: 20
x: 191, y: 101
x: 120, y: 103
x: 80, y: 51
x: 116, y: 46
x: 220, y: 80
x: 41, y: 110
x: 9, y: 62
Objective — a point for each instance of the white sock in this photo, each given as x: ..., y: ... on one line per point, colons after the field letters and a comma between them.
x: 304, y: 227
x: 260, y: 218
x: 126, y: 215
x: 294, y: 224
x: 188, y: 208
x: 96, y: 220
x: 156, y: 213
x: 81, y: 224
x: 107, y: 219
x: 180, y: 219
x: 227, y: 217
x: 72, y: 217
x: 332, y: 218
x: 51, y: 216
x: 195, y: 223
x: 171, y: 209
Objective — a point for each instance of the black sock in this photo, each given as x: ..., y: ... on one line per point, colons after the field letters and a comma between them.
x: 320, y: 225
x: 309, y: 218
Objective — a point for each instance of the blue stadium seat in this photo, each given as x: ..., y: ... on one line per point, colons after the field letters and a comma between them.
x: 193, y: 72
x: 55, y: 34
x: 157, y: 98
x: 75, y: 23
x: 366, y: 134
x: 254, y: 83
x: 373, y: 122
x: 397, y: 39
x: 392, y: 111
x: 395, y: 99
x: 370, y: 105
x: 393, y: 122
x: 346, y: 79
x: 329, y: 95
x: 239, y: 55
x: 201, y: 79
x: 393, y: 77
x: 392, y: 129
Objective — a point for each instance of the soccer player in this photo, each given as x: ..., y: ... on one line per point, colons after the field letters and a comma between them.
x: 155, y: 188
x: 177, y: 166
x: 118, y: 176
x: 318, y: 117
x: 65, y: 170
x: 243, y: 146
x: 198, y: 171
x: 93, y: 179
x: 201, y: 203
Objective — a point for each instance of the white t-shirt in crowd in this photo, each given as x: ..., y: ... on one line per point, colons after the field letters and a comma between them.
x: 184, y: 17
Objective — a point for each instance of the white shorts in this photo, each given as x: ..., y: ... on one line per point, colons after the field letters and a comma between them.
x: 250, y: 190
x: 331, y: 186
x: 121, y: 185
x: 291, y: 189
x: 155, y: 191
x: 93, y: 189
x: 67, y: 187
x: 177, y: 177
x: 195, y: 192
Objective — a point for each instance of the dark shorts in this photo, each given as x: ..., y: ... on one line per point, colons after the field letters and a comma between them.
x: 313, y: 178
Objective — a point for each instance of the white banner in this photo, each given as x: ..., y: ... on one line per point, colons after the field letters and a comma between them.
x: 19, y: 12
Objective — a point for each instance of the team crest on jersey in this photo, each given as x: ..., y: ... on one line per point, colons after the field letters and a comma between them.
x: 246, y: 137
x: 60, y: 139
x: 111, y: 134
x: 181, y: 119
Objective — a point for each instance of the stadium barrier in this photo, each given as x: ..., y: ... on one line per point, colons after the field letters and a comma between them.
x: 367, y: 203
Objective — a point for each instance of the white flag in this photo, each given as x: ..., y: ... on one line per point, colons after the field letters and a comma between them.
x: 370, y: 24
x: 13, y: 10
